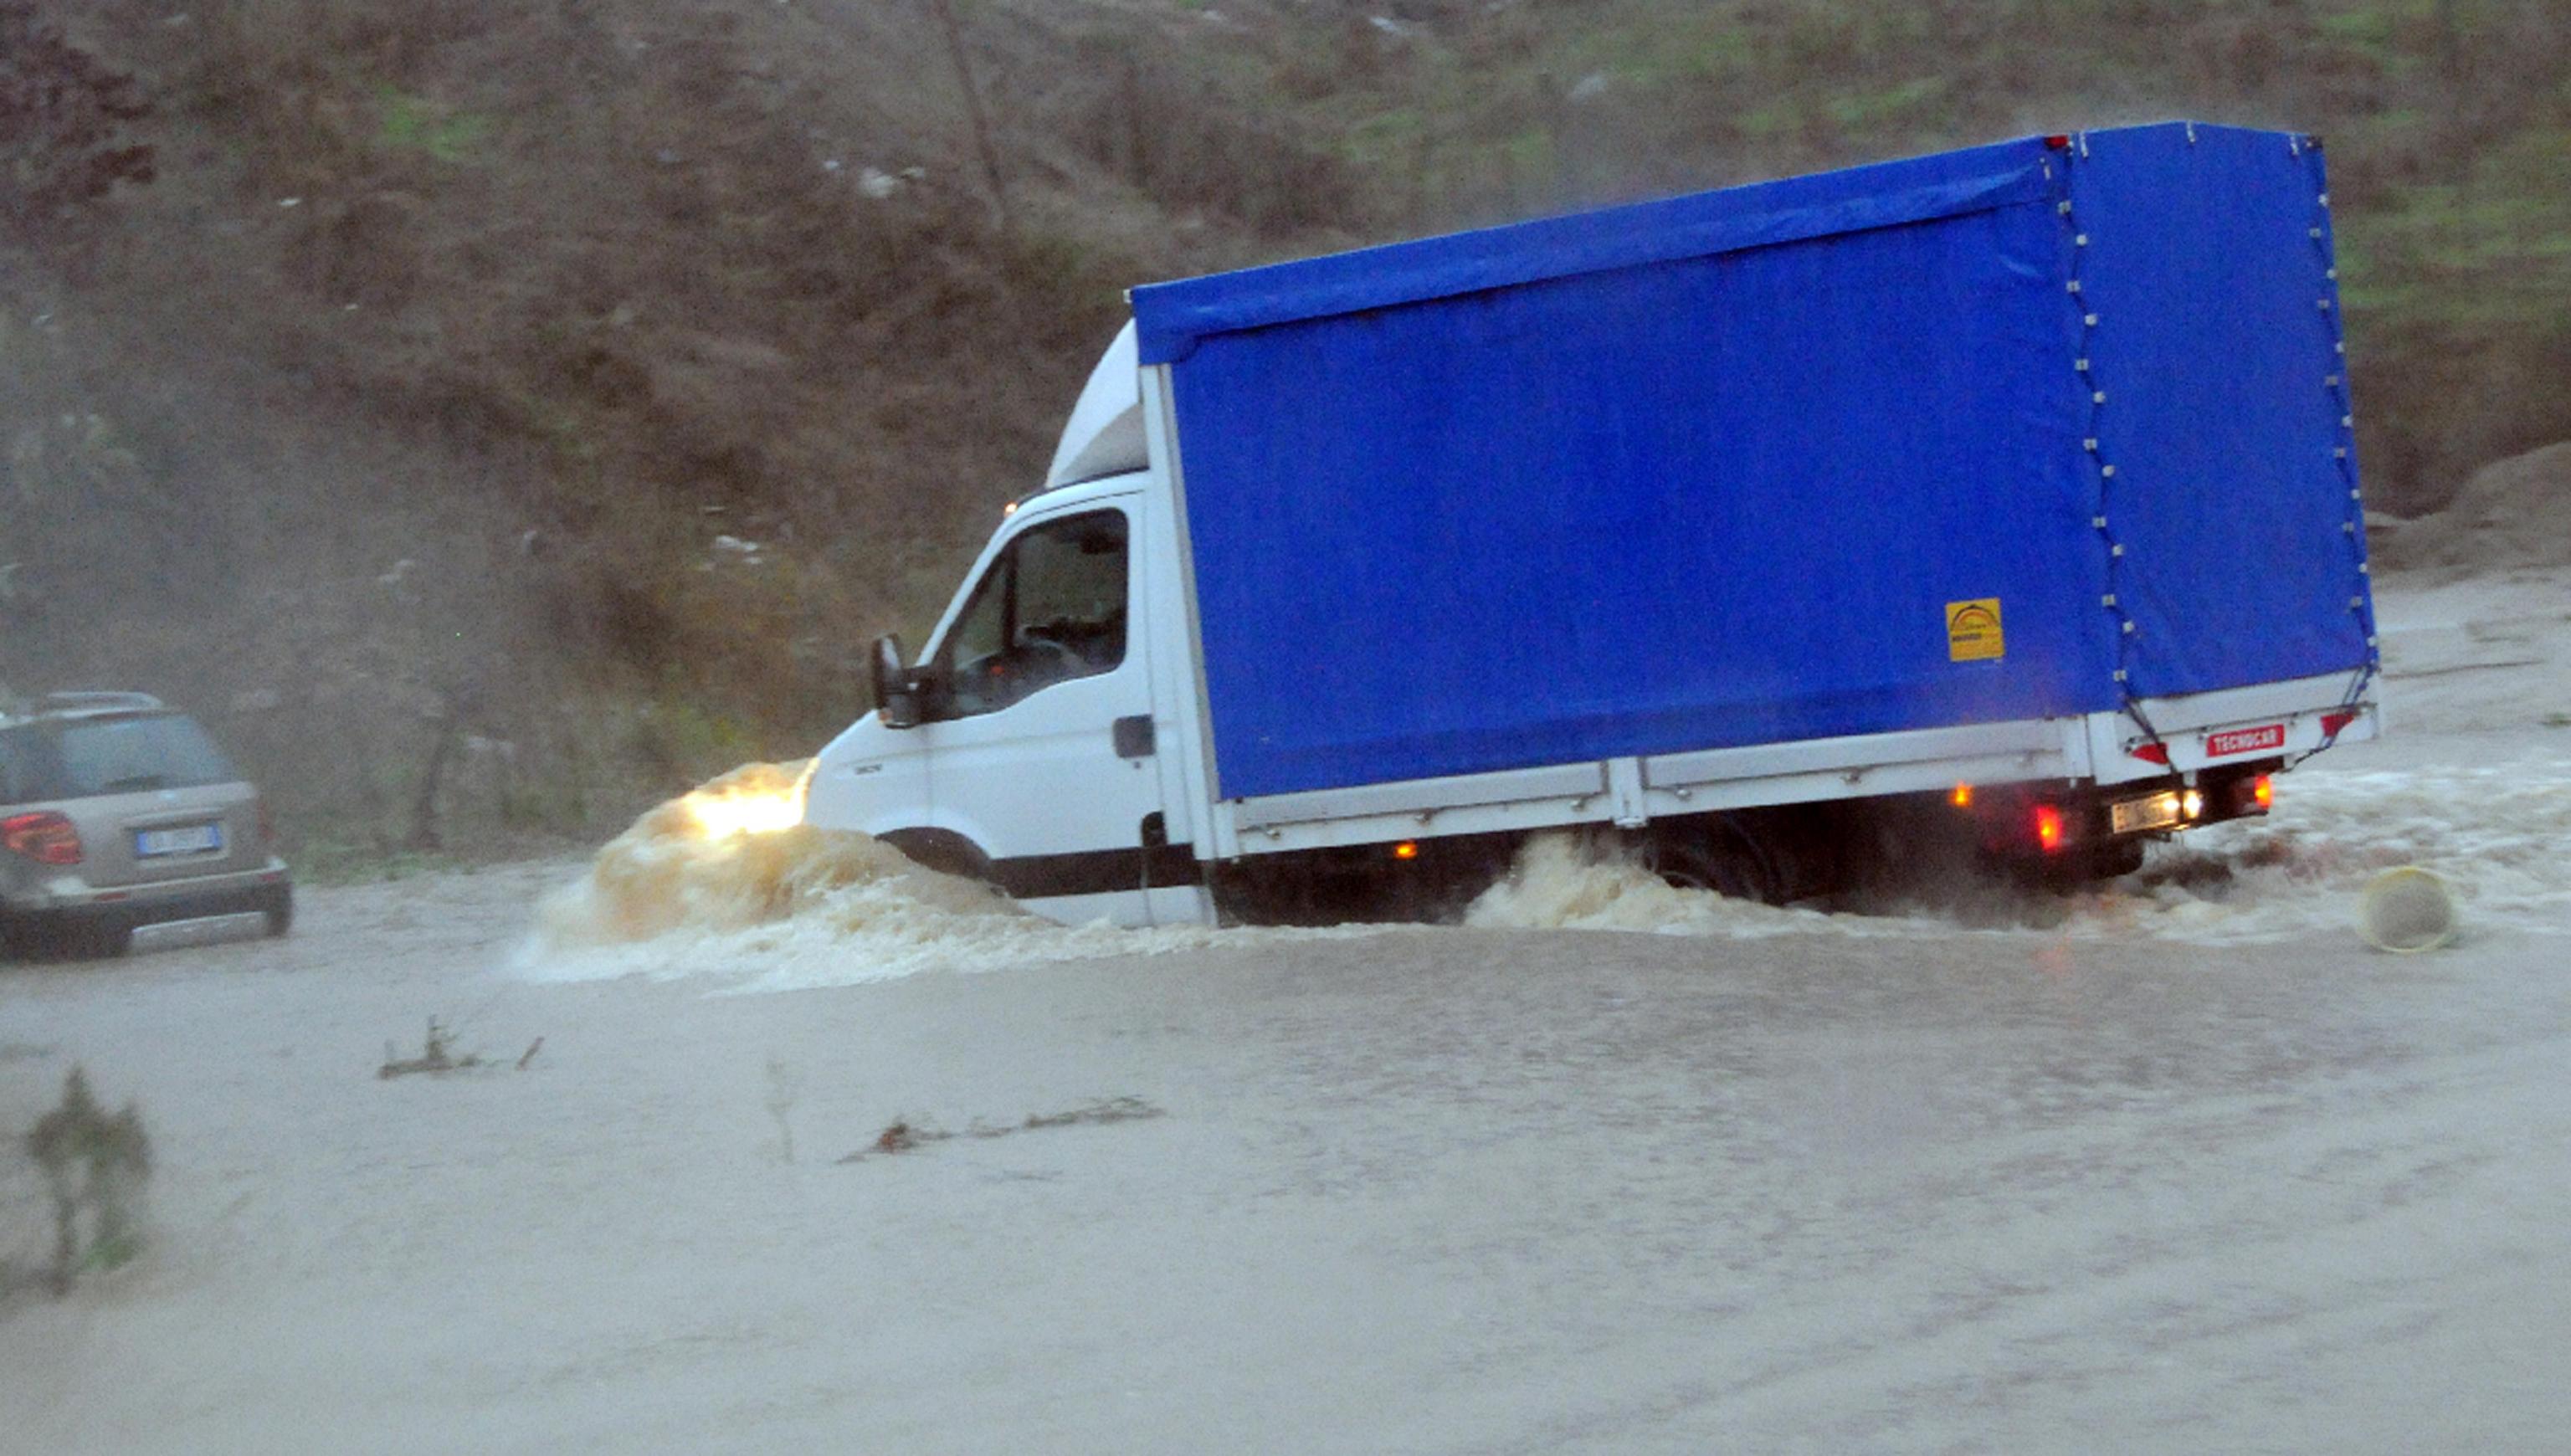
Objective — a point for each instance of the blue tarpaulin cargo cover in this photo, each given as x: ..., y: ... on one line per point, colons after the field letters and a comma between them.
x: 2002, y: 433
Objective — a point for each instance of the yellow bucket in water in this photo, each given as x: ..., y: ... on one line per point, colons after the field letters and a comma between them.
x: 2406, y: 910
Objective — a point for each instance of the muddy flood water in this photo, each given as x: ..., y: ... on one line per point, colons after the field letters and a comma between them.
x: 816, y: 1152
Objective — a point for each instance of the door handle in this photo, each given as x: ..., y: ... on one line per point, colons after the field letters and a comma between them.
x: 1134, y: 737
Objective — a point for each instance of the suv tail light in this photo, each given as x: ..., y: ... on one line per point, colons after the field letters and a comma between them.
x: 45, y: 837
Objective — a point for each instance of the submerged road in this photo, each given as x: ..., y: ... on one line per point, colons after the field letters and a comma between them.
x: 2177, y: 1167
x: 1423, y: 1191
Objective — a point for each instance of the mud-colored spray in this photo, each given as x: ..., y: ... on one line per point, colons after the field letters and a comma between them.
x: 732, y: 855
x: 726, y: 881
x: 1562, y: 882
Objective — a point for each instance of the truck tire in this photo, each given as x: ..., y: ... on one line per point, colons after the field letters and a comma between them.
x: 2094, y: 865
x: 2114, y: 858
x: 1716, y: 853
x: 945, y: 853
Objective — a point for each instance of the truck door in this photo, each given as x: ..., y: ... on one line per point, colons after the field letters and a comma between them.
x: 1041, y: 734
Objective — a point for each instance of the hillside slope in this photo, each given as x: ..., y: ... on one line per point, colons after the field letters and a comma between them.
x: 496, y: 414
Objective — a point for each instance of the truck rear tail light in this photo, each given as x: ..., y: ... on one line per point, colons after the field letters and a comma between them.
x: 2250, y: 795
x: 2048, y: 827
x: 45, y: 837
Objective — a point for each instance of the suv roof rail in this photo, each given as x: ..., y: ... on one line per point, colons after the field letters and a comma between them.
x: 73, y: 702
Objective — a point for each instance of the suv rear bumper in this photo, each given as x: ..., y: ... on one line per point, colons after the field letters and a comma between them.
x: 69, y: 903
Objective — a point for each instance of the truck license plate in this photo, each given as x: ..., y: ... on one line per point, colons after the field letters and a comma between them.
x: 2156, y: 812
x: 183, y: 839
x: 2244, y: 741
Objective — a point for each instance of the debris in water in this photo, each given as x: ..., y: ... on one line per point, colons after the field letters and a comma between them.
x: 2406, y: 910
x: 437, y: 1055
x: 1113, y: 1109
x: 434, y: 1057
x: 785, y: 1085
x: 901, y: 1136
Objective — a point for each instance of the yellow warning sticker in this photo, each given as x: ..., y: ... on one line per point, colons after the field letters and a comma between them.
x: 1973, y: 631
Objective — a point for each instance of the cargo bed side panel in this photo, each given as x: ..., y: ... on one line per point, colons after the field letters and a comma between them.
x: 1686, y: 504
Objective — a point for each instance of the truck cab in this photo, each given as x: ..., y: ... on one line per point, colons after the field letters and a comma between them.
x: 1022, y: 746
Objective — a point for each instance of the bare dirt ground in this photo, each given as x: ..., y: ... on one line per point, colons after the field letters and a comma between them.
x: 2178, y: 1167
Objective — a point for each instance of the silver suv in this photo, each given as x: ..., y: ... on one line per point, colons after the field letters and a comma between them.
x: 117, y: 812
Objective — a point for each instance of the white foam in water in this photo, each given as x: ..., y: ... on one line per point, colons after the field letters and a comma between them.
x: 800, y: 908
x: 1561, y: 883
x: 2499, y: 836
x: 684, y: 894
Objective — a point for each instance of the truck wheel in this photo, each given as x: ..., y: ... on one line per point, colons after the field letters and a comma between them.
x: 2115, y: 858
x: 1720, y: 856
x: 2093, y: 865
x: 944, y: 852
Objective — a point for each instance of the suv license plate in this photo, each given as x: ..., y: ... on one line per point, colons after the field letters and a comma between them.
x: 185, y: 839
x: 2159, y: 811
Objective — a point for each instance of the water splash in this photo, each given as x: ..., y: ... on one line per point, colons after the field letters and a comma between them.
x: 2496, y: 832
x: 803, y: 907
x: 687, y: 894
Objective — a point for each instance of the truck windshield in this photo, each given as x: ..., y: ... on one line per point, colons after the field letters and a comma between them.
x: 87, y: 758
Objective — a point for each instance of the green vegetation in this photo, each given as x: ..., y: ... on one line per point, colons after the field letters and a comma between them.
x: 415, y: 123
x: 95, y: 1164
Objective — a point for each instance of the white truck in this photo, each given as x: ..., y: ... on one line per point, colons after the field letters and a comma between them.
x: 1998, y: 502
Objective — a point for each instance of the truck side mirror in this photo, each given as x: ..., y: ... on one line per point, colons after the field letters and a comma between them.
x: 895, y: 701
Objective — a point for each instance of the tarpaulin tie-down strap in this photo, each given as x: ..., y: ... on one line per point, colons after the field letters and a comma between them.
x: 2361, y: 600
x: 2102, y: 470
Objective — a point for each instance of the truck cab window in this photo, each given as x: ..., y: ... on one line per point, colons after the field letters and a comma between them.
x: 1050, y: 609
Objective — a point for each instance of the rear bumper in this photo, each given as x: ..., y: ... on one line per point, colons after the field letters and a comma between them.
x: 2040, y: 822
x: 2209, y: 732
x: 70, y: 902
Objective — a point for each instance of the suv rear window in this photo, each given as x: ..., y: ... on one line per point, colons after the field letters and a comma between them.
x: 90, y: 758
